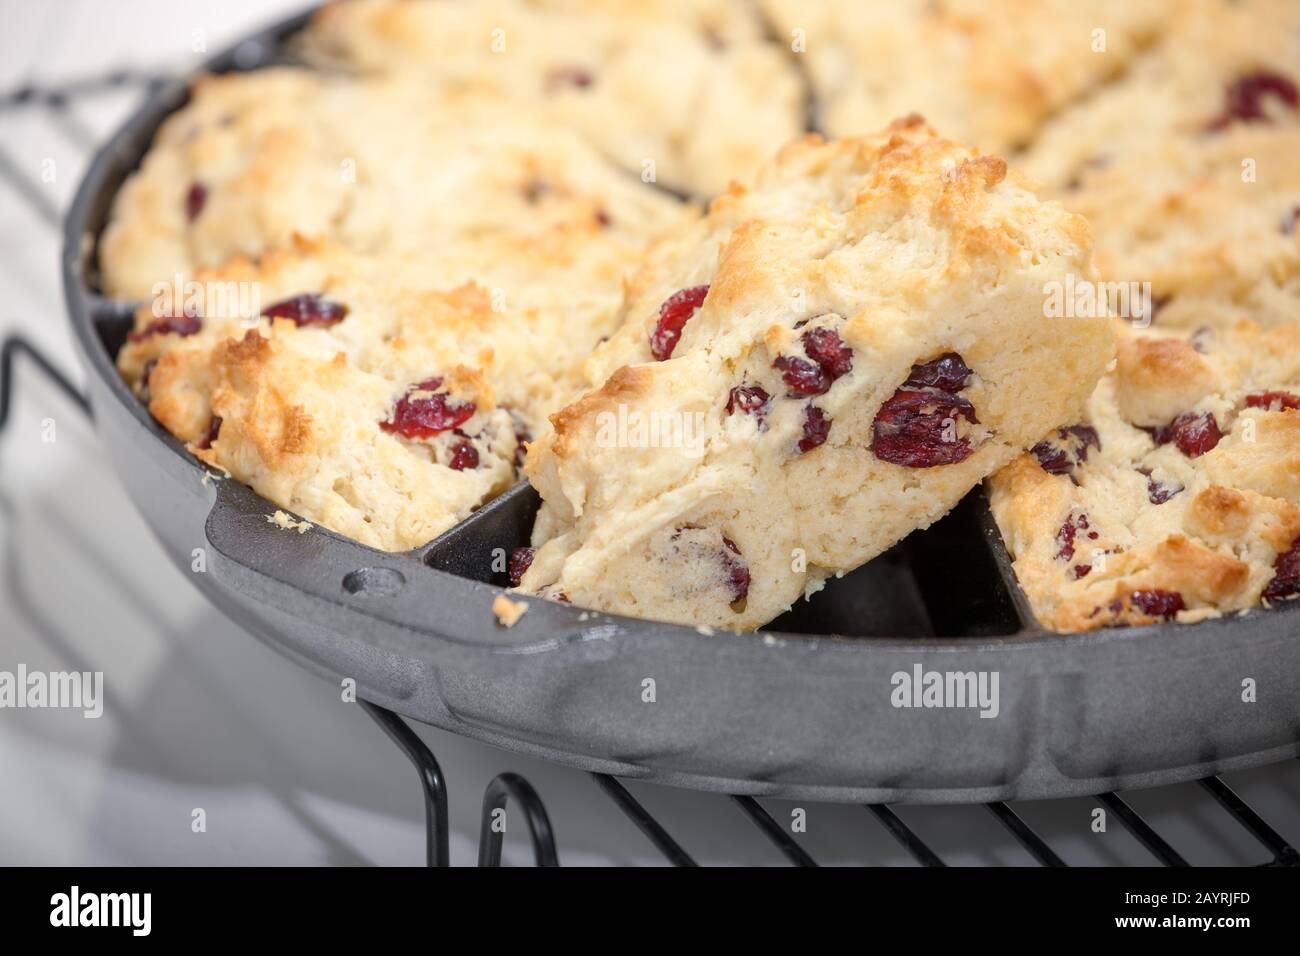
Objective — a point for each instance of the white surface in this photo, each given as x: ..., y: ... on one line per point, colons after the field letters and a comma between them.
x: 200, y: 715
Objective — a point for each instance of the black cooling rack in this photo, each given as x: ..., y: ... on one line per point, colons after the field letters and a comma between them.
x: 54, y: 104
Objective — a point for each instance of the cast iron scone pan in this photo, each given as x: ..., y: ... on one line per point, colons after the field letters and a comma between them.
x: 801, y: 710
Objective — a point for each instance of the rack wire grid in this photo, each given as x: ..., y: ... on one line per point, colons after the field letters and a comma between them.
x: 54, y: 102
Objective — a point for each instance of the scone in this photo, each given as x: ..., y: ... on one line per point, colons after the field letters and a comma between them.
x: 381, y: 166
x: 382, y: 397
x: 691, y: 94
x: 1219, y: 65
x: 826, y: 362
x: 985, y: 71
x: 1177, y: 494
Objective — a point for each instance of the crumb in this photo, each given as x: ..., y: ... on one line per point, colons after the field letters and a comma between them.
x: 705, y: 630
x: 282, y: 520
x: 508, y: 612
x: 769, y: 640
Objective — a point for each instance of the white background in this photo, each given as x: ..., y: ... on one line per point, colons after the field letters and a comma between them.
x: 201, y: 715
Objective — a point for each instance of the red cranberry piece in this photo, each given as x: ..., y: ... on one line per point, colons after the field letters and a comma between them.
x: 1245, y: 97
x: 801, y: 377
x: 737, y: 572
x: 195, y: 200
x: 826, y: 348
x: 308, y: 309
x: 521, y: 559
x: 604, y: 219
x: 1194, y: 433
x: 1275, y: 400
x: 1289, y: 221
x: 751, y: 399
x: 574, y: 76
x: 144, y: 377
x: 1074, y: 525
x: 172, y: 324
x: 673, y: 316
x: 1069, y: 447
x: 428, y: 414
x: 463, y: 456
x: 1157, y: 603
x: 522, y: 437
x: 912, y: 427
x: 1157, y: 491
x: 1081, y: 571
x: 214, y: 429
x: 816, y: 426
x: 1286, y: 576
x: 948, y: 373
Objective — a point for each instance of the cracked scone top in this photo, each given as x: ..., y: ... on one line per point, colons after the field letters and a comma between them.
x: 379, y: 165
x: 1177, y: 495
x: 385, y: 397
x: 693, y: 87
x: 821, y: 365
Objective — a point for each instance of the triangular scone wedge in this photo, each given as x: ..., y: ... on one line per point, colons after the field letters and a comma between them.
x: 825, y: 363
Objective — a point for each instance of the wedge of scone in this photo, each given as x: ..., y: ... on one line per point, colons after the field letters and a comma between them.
x: 378, y: 165
x: 825, y: 363
x: 985, y: 71
x: 1217, y: 65
x: 1176, y: 495
x: 382, y: 397
x: 690, y: 93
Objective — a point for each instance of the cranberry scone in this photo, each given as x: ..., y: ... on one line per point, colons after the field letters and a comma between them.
x: 691, y: 94
x: 826, y: 362
x: 985, y: 71
x: 382, y: 397
x: 1177, y: 494
x: 1218, y: 66
x: 379, y: 165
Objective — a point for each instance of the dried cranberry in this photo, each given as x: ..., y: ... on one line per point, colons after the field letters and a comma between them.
x: 195, y: 200
x: 424, y: 411
x: 737, y: 573
x: 1150, y: 312
x: 912, y: 429
x: 751, y: 399
x: 816, y: 426
x: 802, y: 377
x: 948, y: 373
x: 1082, y: 571
x: 1194, y: 433
x: 1157, y: 603
x: 1157, y: 491
x: 1201, y: 339
x: 826, y: 348
x: 521, y: 559
x: 214, y: 429
x: 1069, y: 447
x: 604, y: 219
x: 1245, y: 97
x: 1073, y: 525
x: 1278, y: 400
x: 673, y: 316
x: 144, y: 377
x: 522, y: 437
x: 1286, y: 576
x: 574, y: 76
x: 1289, y: 221
x: 308, y: 309
x: 463, y: 456
x: 172, y: 324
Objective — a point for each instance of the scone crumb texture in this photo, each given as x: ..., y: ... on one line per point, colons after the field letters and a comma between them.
x: 508, y: 612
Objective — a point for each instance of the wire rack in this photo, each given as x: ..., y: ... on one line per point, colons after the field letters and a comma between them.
x: 53, y: 103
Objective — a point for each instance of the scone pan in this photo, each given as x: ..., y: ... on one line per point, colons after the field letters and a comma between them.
x: 793, y: 711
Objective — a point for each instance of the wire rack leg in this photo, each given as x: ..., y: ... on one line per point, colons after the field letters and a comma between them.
x: 15, y: 345
x: 431, y: 780
x: 501, y: 788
